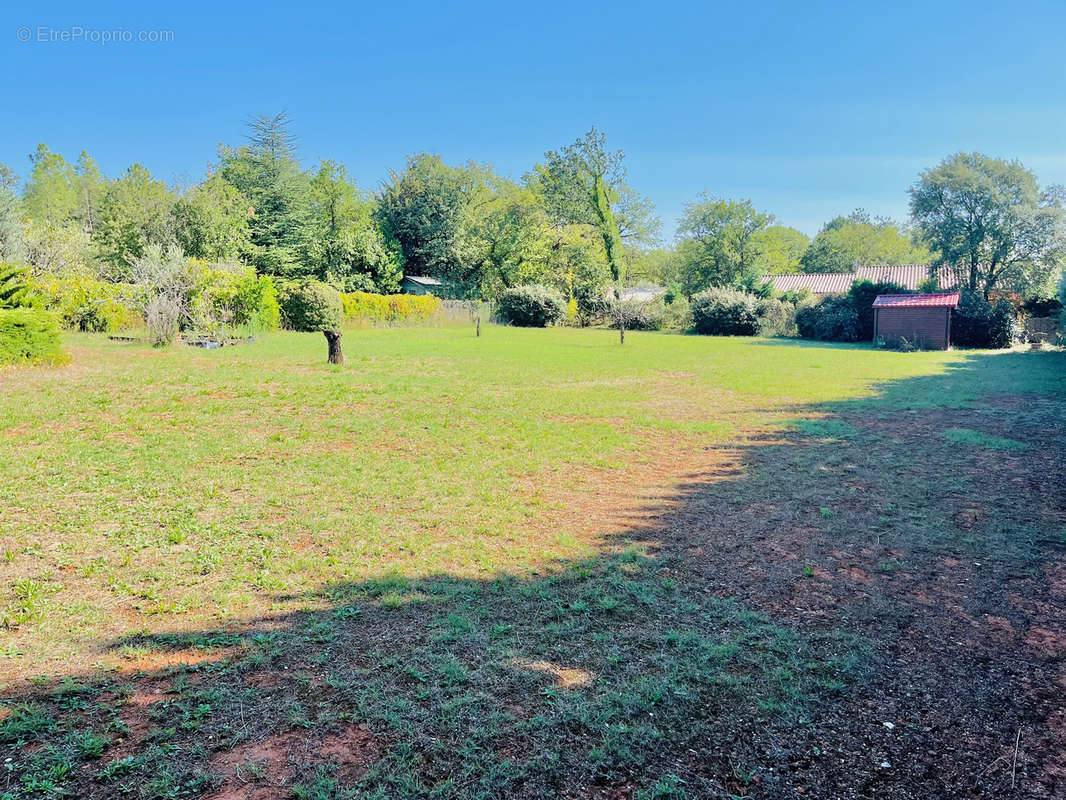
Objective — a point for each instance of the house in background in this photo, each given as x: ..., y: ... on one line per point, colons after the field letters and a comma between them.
x: 909, y: 276
x: 924, y: 320
x: 640, y: 294
x: 421, y: 284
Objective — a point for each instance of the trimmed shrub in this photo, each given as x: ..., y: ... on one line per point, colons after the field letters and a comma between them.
x: 776, y: 317
x: 862, y: 295
x: 531, y: 306
x: 28, y: 334
x: 834, y: 319
x: 310, y: 306
x: 725, y: 312
x: 978, y: 323
x: 366, y: 308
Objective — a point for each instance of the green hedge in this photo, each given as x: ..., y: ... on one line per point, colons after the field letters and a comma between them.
x: 28, y: 334
x: 388, y: 309
x: 833, y: 319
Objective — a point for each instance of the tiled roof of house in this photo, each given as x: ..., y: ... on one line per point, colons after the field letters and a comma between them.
x: 817, y: 282
x: 909, y: 276
x: 941, y: 300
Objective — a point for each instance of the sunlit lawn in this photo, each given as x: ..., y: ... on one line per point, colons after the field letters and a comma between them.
x: 147, y: 489
x: 527, y: 564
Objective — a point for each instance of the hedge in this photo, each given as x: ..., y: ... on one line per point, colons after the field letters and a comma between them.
x: 28, y: 334
x: 388, y: 309
x: 834, y: 319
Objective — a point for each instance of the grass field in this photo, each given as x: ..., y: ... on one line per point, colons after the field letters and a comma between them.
x: 532, y: 564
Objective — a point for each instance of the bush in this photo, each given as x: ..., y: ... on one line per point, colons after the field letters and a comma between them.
x: 28, y: 334
x: 978, y: 323
x: 594, y: 303
x: 388, y: 309
x: 230, y: 294
x: 776, y: 317
x: 677, y: 313
x: 725, y: 312
x: 310, y: 306
x: 834, y: 319
x: 162, y: 315
x: 86, y: 304
x: 862, y: 295
x: 15, y: 289
x: 638, y: 315
x: 532, y: 306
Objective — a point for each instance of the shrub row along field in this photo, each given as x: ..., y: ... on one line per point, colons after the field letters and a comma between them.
x: 531, y: 564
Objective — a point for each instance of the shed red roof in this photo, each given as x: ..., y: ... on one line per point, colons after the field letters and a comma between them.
x: 945, y: 300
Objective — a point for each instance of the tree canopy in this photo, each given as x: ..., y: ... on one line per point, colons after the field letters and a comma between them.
x: 990, y: 221
x: 572, y: 223
x: 717, y: 244
x: 857, y: 239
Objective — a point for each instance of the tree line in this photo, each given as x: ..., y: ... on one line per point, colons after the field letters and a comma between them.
x: 573, y: 222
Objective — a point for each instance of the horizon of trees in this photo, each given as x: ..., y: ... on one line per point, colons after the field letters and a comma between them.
x: 573, y: 221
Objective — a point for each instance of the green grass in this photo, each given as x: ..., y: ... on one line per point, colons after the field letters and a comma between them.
x: 972, y: 438
x: 159, y: 488
x: 500, y: 556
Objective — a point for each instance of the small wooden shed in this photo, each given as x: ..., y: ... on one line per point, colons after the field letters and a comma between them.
x: 421, y: 284
x: 924, y: 320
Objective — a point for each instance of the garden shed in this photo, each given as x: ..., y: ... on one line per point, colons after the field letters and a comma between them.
x: 420, y: 284
x: 924, y: 320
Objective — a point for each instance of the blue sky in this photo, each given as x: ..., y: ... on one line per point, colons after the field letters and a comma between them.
x: 809, y: 109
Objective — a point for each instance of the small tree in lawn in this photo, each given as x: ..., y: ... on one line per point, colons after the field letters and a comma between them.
x: 585, y: 184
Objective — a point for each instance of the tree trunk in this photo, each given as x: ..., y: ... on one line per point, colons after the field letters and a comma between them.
x: 478, y: 324
x: 333, y: 338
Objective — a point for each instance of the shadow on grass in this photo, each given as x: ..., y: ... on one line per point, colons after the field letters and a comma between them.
x: 817, y: 623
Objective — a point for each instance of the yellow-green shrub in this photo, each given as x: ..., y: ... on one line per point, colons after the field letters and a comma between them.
x: 27, y: 335
x: 86, y: 304
x: 230, y: 294
x: 364, y: 308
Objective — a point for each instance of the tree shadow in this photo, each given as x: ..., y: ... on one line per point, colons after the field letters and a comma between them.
x: 869, y: 608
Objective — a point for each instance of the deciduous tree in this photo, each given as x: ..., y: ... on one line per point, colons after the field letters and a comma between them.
x: 989, y: 220
x: 717, y: 244
x: 845, y: 242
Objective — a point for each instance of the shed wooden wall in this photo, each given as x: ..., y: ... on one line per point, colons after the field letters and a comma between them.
x: 925, y: 327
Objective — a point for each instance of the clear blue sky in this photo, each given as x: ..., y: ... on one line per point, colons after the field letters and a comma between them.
x: 809, y: 109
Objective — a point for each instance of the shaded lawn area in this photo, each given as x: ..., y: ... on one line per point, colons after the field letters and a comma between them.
x: 532, y: 565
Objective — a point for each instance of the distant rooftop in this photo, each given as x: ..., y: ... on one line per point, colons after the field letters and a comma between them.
x: 909, y: 276
x: 424, y: 280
